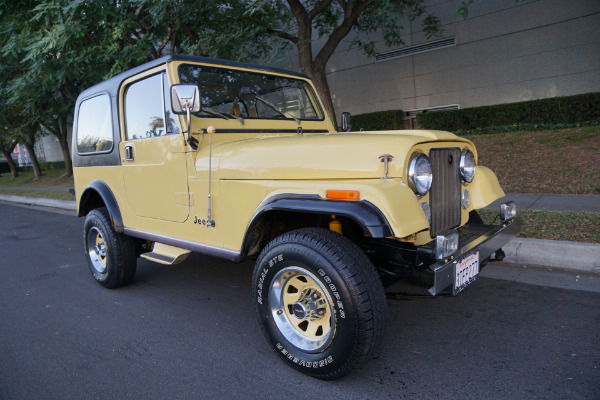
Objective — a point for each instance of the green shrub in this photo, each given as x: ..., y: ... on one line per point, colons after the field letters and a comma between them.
x: 378, y: 121
x: 553, y: 111
x: 45, y: 166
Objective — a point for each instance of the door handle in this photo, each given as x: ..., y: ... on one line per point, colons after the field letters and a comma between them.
x: 129, y: 152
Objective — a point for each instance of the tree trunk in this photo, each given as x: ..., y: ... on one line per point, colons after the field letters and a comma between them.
x: 319, y: 78
x: 64, y: 146
x: 11, y: 164
x: 37, y: 171
x: 59, y: 129
x: 315, y: 67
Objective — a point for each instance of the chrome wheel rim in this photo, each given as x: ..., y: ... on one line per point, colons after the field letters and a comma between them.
x: 97, y: 251
x: 302, y: 309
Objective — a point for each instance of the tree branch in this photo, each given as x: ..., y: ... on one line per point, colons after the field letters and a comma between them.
x: 165, y: 41
x: 319, y: 8
x: 339, y: 33
x: 66, y: 91
x: 283, y: 35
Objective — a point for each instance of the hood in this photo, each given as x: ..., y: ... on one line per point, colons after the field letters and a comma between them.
x: 327, y: 156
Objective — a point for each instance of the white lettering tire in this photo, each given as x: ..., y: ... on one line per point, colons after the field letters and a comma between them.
x: 319, y: 301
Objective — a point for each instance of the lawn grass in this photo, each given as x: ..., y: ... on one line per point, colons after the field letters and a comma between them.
x: 559, y: 161
x: 46, y: 194
x: 554, y: 225
x: 50, y: 177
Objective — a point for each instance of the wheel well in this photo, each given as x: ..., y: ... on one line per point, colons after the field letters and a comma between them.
x: 97, y: 195
x: 90, y: 200
x: 272, y: 224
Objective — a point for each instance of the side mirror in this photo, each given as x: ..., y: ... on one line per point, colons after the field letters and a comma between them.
x: 346, y: 124
x: 185, y: 98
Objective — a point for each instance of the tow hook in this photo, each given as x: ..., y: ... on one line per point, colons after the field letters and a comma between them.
x: 499, y: 255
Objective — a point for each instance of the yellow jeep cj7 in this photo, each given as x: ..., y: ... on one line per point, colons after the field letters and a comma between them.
x: 240, y: 161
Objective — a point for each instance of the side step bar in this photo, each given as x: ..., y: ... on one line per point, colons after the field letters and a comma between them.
x: 165, y: 254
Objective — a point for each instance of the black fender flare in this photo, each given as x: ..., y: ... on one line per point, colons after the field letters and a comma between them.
x: 107, y: 196
x: 364, y: 213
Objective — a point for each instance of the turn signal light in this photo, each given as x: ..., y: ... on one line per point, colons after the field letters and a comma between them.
x: 508, y: 211
x: 446, y: 244
x: 343, y: 194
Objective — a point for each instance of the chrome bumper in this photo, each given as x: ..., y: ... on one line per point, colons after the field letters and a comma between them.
x: 472, y: 237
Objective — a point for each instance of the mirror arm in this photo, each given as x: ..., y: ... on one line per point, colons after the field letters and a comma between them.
x: 192, y: 141
x: 189, y: 120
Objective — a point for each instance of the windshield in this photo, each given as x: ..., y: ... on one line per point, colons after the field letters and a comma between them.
x: 243, y: 94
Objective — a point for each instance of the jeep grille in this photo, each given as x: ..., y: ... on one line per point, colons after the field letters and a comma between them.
x: 444, y: 196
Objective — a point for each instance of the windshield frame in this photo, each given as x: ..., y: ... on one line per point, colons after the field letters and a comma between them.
x: 306, y: 87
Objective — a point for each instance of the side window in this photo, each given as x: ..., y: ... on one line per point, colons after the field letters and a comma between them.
x: 144, y: 112
x: 94, y: 125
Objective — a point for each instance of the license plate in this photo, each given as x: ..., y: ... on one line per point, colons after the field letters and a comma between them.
x: 465, y: 272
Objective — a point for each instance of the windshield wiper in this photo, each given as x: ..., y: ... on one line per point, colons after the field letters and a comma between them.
x: 223, y: 115
x: 213, y: 112
x: 242, y: 120
x: 285, y: 114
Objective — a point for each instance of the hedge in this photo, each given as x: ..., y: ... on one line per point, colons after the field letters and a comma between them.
x: 553, y: 111
x: 378, y: 121
x: 46, y: 165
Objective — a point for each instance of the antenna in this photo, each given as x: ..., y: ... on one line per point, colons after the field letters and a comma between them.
x: 210, y: 130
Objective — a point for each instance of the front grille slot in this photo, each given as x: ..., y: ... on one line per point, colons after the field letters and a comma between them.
x: 444, y: 197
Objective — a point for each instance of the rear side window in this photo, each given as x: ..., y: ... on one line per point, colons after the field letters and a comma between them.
x: 94, y: 125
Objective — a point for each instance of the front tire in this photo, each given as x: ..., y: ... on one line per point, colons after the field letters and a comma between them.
x: 111, y: 256
x: 319, y: 301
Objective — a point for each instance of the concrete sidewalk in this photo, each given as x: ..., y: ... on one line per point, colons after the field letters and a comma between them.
x: 55, y: 188
x: 68, y: 205
x: 577, y: 256
x: 552, y: 202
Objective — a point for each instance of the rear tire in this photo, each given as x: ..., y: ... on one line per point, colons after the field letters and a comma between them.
x: 319, y: 301
x: 111, y: 256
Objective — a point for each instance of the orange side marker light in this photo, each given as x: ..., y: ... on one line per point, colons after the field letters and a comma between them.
x: 343, y: 194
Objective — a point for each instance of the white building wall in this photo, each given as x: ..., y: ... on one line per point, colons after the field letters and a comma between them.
x: 506, y: 51
x: 51, y: 146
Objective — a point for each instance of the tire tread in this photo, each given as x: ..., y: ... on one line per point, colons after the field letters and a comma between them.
x: 362, y: 280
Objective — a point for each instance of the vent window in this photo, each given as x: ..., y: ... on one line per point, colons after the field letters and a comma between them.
x: 421, y: 48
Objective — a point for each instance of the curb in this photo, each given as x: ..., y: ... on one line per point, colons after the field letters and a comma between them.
x: 68, y: 205
x: 554, y: 253
x: 576, y: 256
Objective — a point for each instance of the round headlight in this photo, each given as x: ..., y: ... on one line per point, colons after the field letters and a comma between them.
x: 419, y: 174
x: 467, y: 166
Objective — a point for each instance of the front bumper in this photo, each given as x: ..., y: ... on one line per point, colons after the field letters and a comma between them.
x: 486, y: 239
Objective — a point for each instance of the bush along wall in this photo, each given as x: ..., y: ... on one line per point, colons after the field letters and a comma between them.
x: 52, y: 165
x: 556, y: 112
x: 378, y: 121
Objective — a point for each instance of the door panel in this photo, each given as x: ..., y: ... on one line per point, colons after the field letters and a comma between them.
x: 153, y: 155
x: 156, y: 178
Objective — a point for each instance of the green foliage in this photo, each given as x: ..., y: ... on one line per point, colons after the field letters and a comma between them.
x: 48, y: 165
x: 51, y: 50
x: 463, y: 9
x: 378, y: 121
x: 530, y: 115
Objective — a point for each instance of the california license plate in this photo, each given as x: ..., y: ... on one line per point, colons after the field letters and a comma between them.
x: 465, y: 272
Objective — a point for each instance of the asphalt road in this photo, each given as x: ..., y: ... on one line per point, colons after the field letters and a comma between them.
x: 189, y: 332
